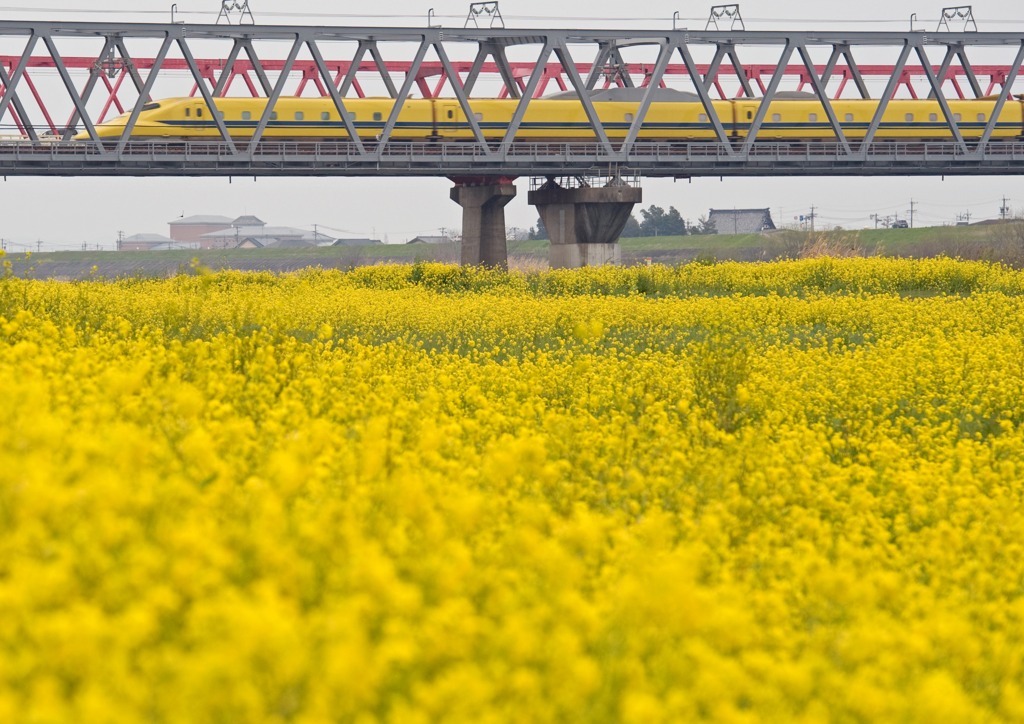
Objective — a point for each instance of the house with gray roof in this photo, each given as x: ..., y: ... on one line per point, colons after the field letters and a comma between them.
x: 243, y: 222
x: 153, y: 242
x: 430, y: 240
x: 355, y: 242
x: 741, y: 221
x: 251, y: 237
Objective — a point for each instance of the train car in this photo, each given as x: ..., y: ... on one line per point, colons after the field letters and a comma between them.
x: 301, y: 118
x: 672, y: 115
x: 800, y: 119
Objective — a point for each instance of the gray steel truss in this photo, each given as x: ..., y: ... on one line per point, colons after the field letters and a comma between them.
x: 584, y: 58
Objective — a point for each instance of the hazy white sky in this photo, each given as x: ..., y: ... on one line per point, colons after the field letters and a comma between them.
x: 64, y: 213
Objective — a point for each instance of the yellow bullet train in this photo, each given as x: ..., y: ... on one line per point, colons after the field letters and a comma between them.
x: 673, y: 115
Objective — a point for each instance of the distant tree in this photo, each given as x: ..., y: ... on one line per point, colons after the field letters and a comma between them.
x: 632, y: 229
x: 673, y: 224
x: 704, y: 225
x: 651, y: 220
x: 657, y: 222
x: 539, y: 231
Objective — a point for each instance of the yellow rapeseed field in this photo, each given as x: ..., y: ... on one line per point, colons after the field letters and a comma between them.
x: 770, y: 492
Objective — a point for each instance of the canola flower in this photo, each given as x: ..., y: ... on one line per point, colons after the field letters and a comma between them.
x: 787, y: 491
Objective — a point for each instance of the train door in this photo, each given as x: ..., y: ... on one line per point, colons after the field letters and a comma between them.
x: 449, y: 119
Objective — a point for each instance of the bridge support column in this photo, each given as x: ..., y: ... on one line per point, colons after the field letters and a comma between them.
x: 483, y: 221
x: 584, y: 224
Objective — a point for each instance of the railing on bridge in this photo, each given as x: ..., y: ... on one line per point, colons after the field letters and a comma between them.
x: 55, y: 77
x: 404, y: 158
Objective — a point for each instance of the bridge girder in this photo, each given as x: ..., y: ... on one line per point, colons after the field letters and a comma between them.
x: 135, y: 63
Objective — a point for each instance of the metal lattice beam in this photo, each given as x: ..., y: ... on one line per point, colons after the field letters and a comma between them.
x: 472, y: 62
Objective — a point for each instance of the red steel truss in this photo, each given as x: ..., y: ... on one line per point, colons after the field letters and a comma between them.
x: 431, y: 78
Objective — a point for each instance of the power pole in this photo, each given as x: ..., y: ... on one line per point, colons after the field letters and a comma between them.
x: 39, y: 245
x: 913, y: 205
x: 1004, y: 210
x: 120, y: 239
x: 812, y: 217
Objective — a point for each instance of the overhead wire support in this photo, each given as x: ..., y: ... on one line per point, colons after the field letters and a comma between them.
x: 229, y: 8
x: 488, y: 10
x: 725, y: 12
x: 954, y: 14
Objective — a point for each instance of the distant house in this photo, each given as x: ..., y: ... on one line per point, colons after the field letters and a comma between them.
x: 289, y: 243
x: 243, y: 222
x: 243, y: 232
x: 355, y: 242
x: 430, y: 240
x: 153, y: 242
x: 741, y: 221
x: 192, y: 228
x: 263, y: 236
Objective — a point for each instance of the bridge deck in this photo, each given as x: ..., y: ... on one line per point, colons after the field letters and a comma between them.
x: 664, y: 159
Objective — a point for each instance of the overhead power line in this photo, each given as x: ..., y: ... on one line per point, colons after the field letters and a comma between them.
x: 419, y: 16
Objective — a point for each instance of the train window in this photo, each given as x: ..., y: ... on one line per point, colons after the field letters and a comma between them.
x: 378, y: 117
x: 629, y: 118
x: 702, y: 118
x: 451, y: 114
x: 812, y: 117
x: 273, y: 115
x: 933, y: 117
x: 151, y: 107
x: 750, y: 115
x: 909, y: 118
x: 220, y: 115
x: 981, y: 117
x: 776, y: 118
x: 849, y: 118
x: 188, y: 112
x: 199, y: 112
x: 246, y: 116
x: 325, y: 116
x: 957, y: 117
x: 479, y: 116
x: 299, y: 115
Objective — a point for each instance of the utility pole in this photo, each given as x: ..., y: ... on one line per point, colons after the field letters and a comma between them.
x: 120, y: 239
x: 39, y: 245
x: 812, y: 217
x: 913, y: 205
x: 1004, y: 210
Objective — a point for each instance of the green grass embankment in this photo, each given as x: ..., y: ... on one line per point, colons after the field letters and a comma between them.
x: 991, y: 242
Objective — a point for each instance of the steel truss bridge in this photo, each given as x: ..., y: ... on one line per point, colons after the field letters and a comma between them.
x: 60, y: 78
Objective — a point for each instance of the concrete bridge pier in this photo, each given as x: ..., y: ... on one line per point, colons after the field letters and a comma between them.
x: 483, y: 204
x: 584, y: 224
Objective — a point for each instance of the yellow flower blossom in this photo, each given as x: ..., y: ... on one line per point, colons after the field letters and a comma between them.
x: 731, y: 492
